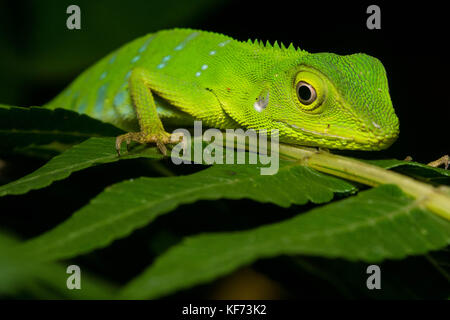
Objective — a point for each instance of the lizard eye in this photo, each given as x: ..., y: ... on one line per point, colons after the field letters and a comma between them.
x: 306, y: 93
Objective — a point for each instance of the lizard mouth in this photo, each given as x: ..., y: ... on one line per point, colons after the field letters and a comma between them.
x: 357, y: 141
x: 316, y: 133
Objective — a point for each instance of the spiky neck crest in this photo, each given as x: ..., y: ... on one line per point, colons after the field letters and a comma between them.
x: 290, y: 50
x: 277, y: 47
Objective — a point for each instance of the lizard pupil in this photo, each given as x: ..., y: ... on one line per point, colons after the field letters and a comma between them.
x: 306, y: 93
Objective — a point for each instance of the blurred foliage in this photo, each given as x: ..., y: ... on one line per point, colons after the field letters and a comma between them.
x: 39, y: 50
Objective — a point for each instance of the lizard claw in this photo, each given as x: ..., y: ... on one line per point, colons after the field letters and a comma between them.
x: 119, y: 141
x: 160, y: 139
x: 444, y: 160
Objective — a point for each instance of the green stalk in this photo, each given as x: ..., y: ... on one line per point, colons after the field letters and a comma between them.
x: 433, y: 198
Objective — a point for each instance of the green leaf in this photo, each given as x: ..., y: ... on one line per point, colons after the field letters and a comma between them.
x: 92, y: 152
x: 20, y: 274
x: 381, y: 223
x: 20, y: 127
x: 129, y: 205
x: 415, y: 169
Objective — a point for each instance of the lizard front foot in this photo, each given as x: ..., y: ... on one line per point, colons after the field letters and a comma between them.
x: 160, y: 139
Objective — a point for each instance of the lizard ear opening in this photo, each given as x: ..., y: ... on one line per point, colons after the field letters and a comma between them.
x: 262, y: 101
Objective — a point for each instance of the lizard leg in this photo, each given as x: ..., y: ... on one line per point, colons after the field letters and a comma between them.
x: 151, y: 127
x: 445, y: 160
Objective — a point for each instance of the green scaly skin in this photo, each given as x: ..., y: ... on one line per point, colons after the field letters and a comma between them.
x: 180, y: 75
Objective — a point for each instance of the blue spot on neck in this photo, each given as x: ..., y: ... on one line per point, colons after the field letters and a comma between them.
x: 75, y: 99
x: 222, y: 44
x: 143, y: 48
x: 145, y: 45
x: 191, y: 36
x: 82, y: 107
x: 119, y: 98
x: 183, y: 43
x: 101, y: 95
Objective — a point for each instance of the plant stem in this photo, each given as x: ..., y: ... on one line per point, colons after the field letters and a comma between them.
x: 435, y: 199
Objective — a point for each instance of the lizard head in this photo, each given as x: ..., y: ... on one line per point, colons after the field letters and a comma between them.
x: 333, y: 101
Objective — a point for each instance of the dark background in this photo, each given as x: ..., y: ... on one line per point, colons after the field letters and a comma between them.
x: 39, y: 56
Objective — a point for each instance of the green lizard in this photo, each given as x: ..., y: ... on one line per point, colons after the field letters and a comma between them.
x: 313, y: 99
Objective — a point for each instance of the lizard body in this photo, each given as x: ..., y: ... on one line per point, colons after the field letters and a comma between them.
x: 313, y: 99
